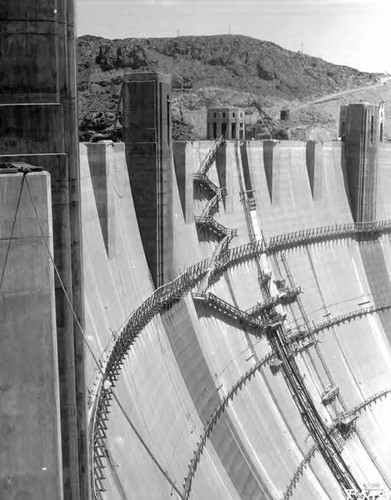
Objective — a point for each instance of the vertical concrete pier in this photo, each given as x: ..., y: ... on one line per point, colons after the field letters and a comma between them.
x: 147, y: 135
x: 38, y: 124
x: 30, y: 432
x: 361, y: 130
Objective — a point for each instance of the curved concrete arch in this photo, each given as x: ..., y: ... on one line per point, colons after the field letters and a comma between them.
x: 365, y: 404
x: 345, y: 318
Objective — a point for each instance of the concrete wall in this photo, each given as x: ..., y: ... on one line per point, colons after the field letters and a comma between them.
x: 189, y: 357
x: 30, y: 432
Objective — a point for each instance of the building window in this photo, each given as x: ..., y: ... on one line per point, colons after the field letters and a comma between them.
x: 214, y: 115
x: 223, y: 115
x: 381, y: 132
x: 233, y: 114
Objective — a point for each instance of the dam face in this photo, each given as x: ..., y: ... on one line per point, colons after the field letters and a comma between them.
x: 194, y: 367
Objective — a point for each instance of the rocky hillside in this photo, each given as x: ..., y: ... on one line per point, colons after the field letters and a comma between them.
x: 206, y: 71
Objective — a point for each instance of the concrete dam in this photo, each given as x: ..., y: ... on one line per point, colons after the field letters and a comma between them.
x: 194, y: 320
x: 258, y: 227
x: 214, y: 404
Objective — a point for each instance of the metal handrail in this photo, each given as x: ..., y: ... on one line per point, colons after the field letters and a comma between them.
x: 314, y: 235
x: 220, y: 193
x: 204, y: 180
x: 230, y: 310
x: 215, y: 226
x: 208, y: 160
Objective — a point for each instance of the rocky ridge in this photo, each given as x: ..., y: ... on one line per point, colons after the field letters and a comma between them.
x: 206, y: 71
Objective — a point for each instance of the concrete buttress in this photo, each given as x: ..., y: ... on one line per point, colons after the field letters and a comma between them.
x: 30, y: 431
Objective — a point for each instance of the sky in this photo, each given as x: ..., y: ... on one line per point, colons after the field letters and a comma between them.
x: 352, y: 32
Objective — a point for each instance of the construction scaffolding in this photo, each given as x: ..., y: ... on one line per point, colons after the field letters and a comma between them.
x: 314, y: 423
x: 246, y: 321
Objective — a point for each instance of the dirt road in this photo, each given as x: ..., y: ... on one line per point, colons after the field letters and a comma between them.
x: 330, y: 97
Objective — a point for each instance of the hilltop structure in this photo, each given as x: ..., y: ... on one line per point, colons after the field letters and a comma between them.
x: 232, y: 297
x: 226, y: 122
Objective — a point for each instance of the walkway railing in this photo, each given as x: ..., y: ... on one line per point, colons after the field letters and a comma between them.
x: 213, y: 202
x: 242, y: 253
x: 215, y: 227
x: 228, y: 310
x: 300, y: 470
x: 209, y: 159
x: 316, y: 235
x: 363, y: 405
x: 205, y: 182
x: 340, y: 319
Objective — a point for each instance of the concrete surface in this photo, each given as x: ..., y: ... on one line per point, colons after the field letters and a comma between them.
x: 187, y: 359
x: 30, y: 432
